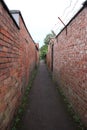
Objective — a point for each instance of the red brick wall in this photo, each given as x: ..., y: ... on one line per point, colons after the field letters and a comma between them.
x: 17, y: 60
x: 50, y: 54
x: 29, y: 50
x: 48, y: 57
x: 70, y: 63
x: 37, y: 54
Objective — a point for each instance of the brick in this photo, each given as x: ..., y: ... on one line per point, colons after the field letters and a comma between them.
x: 18, y: 57
x: 70, y: 63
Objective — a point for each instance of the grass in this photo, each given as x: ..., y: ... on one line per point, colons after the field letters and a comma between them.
x: 70, y: 110
x: 75, y: 117
x: 21, y: 109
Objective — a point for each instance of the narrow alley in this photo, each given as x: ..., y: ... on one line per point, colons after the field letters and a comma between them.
x: 65, y: 51
x: 45, y: 110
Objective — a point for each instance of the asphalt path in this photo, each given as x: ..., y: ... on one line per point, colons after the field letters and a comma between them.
x: 45, y: 109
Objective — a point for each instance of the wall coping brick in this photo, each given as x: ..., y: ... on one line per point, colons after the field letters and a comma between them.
x: 15, y: 11
x: 16, y: 16
x: 19, y: 12
x: 80, y: 10
x: 8, y: 11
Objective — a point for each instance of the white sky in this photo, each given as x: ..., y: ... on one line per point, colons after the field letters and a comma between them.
x: 41, y: 16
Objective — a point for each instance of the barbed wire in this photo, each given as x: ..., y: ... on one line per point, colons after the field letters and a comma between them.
x: 67, y: 7
x: 67, y: 17
x: 64, y: 12
x: 72, y: 9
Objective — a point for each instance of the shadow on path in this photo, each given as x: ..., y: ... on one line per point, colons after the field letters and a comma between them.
x: 45, y: 110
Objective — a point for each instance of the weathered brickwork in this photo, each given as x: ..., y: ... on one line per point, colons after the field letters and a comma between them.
x: 48, y: 57
x: 37, y: 54
x: 17, y: 60
x: 70, y: 62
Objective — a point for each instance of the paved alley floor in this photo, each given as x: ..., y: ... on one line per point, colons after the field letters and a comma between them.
x: 45, y: 109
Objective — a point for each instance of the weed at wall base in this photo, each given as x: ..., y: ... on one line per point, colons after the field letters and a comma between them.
x: 72, y: 113
x: 21, y: 109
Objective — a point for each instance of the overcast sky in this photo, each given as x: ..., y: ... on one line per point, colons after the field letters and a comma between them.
x: 41, y: 16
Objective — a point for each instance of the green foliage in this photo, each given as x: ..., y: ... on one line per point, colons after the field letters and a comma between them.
x: 43, y: 51
x: 48, y: 37
x: 74, y: 116
x: 70, y: 110
x: 44, y: 48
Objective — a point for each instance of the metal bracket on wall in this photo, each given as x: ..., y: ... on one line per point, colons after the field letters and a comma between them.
x: 63, y: 24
